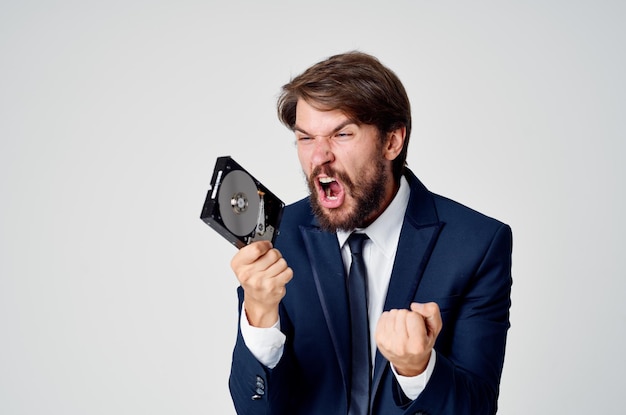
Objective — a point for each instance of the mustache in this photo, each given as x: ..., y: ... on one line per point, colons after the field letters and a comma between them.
x: 330, y: 172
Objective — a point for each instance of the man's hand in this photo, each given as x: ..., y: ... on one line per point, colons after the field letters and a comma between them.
x: 406, y: 337
x: 263, y: 273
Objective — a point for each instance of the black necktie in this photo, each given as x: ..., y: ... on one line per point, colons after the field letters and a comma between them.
x: 361, y: 358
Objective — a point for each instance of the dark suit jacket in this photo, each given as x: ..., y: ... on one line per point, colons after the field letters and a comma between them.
x: 447, y: 253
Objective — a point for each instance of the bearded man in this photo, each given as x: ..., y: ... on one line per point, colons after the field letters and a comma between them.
x: 427, y: 332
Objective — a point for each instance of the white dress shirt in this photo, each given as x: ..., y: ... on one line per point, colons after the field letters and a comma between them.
x: 379, y: 253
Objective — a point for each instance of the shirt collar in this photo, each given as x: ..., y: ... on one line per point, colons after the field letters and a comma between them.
x: 384, y: 232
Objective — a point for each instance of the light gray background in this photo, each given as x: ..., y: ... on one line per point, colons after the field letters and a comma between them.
x: 115, y: 298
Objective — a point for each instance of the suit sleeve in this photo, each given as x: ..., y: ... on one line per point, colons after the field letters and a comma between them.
x: 469, y: 365
x: 254, y: 387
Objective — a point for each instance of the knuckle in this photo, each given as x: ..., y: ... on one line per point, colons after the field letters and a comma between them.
x: 244, y: 274
x: 257, y: 249
x: 235, y: 261
x: 255, y: 284
x: 251, y: 249
x: 282, y: 291
x: 289, y: 274
x: 274, y: 254
x: 282, y: 263
x: 432, y: 307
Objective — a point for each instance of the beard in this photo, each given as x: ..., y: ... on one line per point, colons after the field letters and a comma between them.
x: 368, y: 197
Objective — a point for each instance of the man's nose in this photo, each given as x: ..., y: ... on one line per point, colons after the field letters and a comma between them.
x: 322, y: 152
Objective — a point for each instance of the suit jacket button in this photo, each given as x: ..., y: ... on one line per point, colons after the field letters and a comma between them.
x: 260, y: 388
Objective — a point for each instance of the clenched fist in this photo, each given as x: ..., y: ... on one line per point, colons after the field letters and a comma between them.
x: 406, y: 337
x: 263, y: 274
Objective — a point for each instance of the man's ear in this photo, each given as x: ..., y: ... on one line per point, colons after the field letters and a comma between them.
x: 394, y: 143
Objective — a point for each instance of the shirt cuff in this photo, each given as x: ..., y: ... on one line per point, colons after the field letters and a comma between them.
x: 413, y: 386
x: 266, y: 344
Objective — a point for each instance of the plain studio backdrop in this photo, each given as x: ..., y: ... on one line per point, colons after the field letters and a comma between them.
x: 115, y: 298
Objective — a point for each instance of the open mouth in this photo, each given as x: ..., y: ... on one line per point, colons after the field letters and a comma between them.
x: 330, y: 192
x: 330, y: 187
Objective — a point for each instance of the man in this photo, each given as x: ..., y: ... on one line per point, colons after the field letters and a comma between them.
x: 437, y: 274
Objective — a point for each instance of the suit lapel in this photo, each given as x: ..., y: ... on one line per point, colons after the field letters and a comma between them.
x: 420, y: 230
x: 329, y: 275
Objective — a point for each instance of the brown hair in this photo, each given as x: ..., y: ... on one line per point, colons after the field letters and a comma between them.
x: 358, y: 85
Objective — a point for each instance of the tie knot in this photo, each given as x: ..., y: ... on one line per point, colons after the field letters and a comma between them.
x: 355, y: 241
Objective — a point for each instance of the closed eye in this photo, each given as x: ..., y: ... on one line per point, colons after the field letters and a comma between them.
x: 342, y: 136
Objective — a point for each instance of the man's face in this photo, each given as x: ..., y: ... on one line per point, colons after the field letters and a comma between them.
x: 348, y: 167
